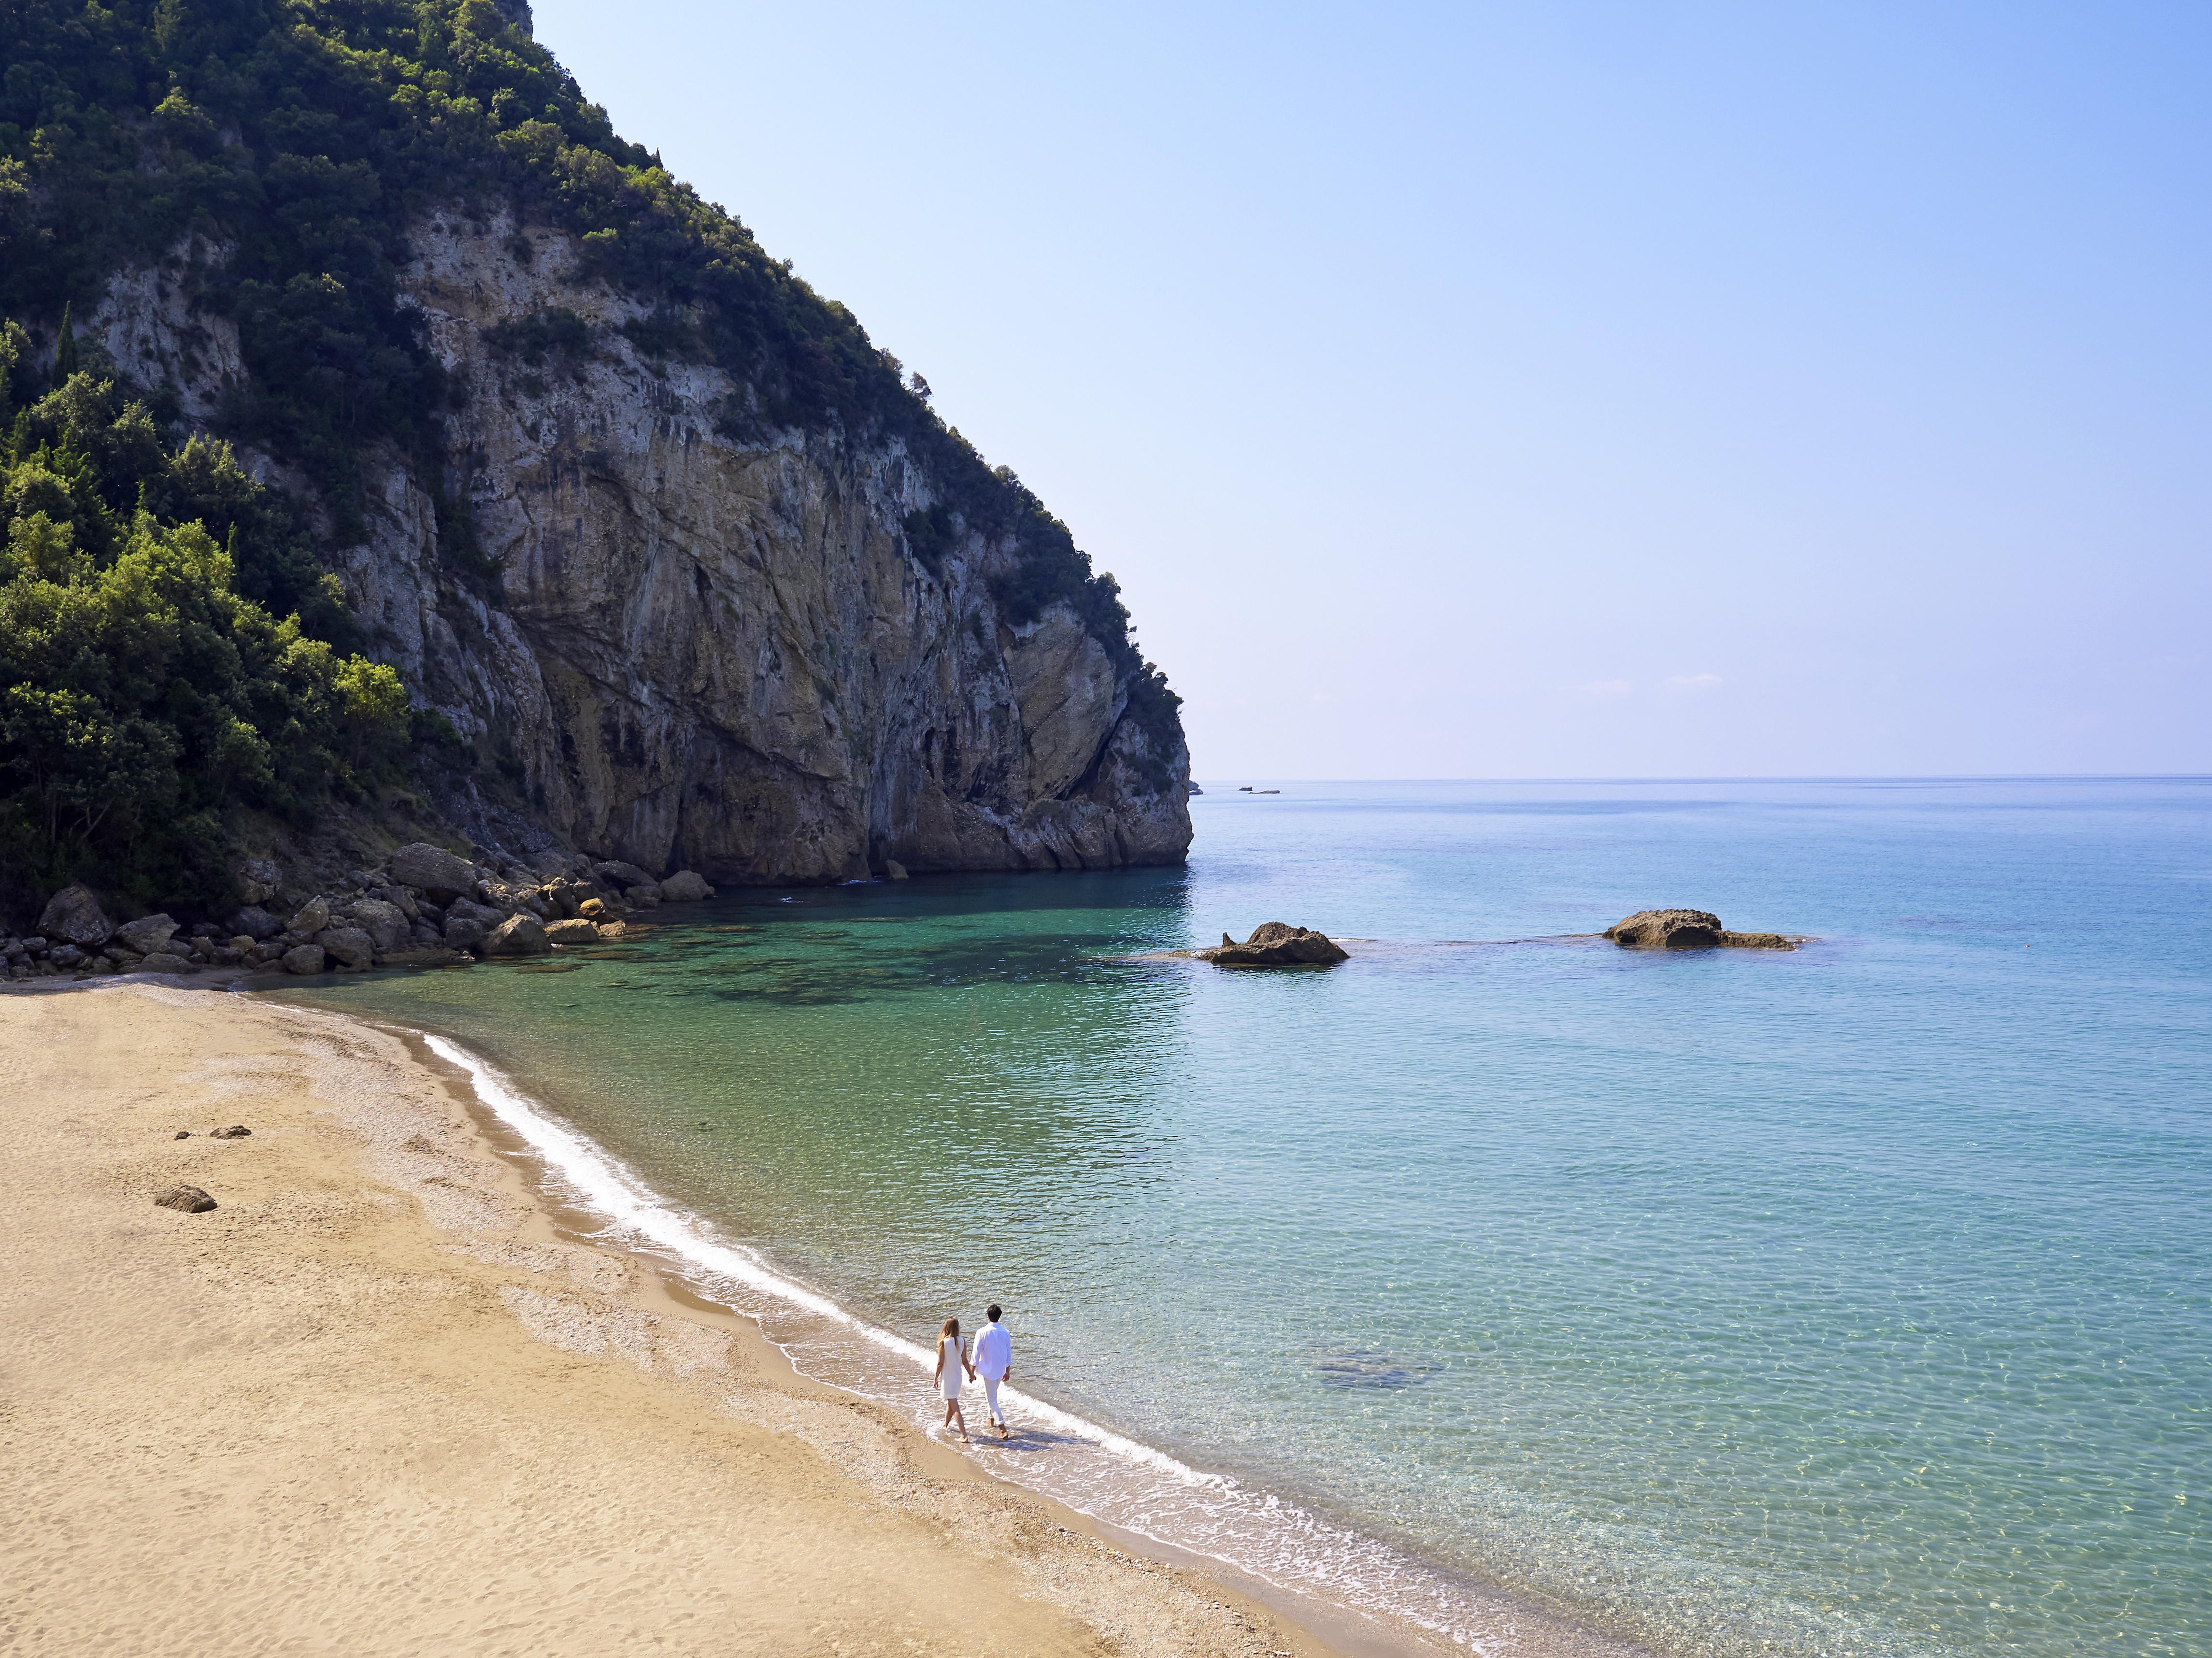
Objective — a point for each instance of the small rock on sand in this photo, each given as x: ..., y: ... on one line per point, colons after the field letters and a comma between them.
x: 187, y: 1200
x: 237, y: 1131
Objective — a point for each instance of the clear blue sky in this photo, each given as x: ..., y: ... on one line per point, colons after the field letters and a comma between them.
x: 1581, y: 389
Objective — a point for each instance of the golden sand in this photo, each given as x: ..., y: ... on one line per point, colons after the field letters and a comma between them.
x: 376, y: 1402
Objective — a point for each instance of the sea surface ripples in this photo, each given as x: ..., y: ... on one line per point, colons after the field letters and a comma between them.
x: 1852, y: 1300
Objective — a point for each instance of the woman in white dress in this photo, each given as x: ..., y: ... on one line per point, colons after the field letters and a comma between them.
x: 951, y: 1362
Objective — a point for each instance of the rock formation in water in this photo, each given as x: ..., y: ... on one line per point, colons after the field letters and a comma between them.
x: 1688, y: 929
x: 1276, y: 943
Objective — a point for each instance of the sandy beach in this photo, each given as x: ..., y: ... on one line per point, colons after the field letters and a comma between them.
x: 375, y: 1401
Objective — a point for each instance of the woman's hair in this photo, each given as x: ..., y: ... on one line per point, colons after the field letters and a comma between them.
x: 951, y: 1328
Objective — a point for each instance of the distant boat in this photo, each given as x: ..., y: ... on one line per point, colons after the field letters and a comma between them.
x: 1244, y: 788
x: 1266, y: 790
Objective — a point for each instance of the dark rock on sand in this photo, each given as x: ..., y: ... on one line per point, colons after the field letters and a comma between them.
x: 189, y: 1200
x: 1688, y: 929
x: 1276, y: 943
x: 147, y: 934
x: 73, y: 916
x: 184, y: 1133
x: 237, y: 1131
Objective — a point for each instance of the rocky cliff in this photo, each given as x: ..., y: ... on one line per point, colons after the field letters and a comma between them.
x: 688, y: 563
x: 688, y: 649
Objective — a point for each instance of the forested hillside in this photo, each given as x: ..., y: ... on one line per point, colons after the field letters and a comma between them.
x: 269, y: 170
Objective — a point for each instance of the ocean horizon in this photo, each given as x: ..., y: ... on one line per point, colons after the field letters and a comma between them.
x: 1848, y: 1299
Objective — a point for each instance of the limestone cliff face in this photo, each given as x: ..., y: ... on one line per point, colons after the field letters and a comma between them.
x: 690, y: 651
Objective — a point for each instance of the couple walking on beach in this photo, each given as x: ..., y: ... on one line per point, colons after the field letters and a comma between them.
x: 992, y: 1361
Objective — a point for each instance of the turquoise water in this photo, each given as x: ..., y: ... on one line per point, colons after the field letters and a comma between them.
x: 1851, y: 1300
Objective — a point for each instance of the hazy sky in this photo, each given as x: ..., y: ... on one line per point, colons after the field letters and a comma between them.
x: 1570, y: 389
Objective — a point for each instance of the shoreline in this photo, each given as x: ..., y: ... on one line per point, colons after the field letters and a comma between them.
x: 1513, y: 1624
x: 206, y: 1410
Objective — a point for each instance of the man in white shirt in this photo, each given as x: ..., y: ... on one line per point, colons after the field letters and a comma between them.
x: 994, y: 1362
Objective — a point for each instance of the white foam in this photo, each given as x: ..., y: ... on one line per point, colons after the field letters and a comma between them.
x: 602, y: 1182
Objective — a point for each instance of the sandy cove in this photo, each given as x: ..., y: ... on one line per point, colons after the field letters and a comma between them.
x: 375, y: 1402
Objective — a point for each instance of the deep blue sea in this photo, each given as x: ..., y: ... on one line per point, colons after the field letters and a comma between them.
x: 1851, y: 1300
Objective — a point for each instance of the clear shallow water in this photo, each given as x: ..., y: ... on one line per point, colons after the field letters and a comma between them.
x: 1853, y: 1300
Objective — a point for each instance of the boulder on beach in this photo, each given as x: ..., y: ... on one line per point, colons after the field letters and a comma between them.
x: 147, y: 934
x: 1277, y: 944
x: 686, y: 886
x: 348, y: 945
x: 623, y: 875
x: 187, y: 1200
x: 385, y: 923
x: 463, y: 932
x: 433, y: 870
x: 312, y: 917
x: 304, y: 958
x: 1688, y: 929
x: 73, y: 916
x: 518, y: 935
x: 162, y: 961
x: 574, y: 931
x: 255, y: 923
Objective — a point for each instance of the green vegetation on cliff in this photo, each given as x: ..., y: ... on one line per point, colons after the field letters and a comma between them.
x: 307, y: 135
x: 143, y: 690
x: 170, y: 646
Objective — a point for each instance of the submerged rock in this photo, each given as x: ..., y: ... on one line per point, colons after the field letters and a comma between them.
x: 1688, y: 929
x: 1276, y: 943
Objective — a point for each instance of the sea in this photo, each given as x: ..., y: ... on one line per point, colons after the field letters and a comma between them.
x: 1855, y: 1299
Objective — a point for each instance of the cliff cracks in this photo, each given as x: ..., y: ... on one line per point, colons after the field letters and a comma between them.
x: 682, y: 641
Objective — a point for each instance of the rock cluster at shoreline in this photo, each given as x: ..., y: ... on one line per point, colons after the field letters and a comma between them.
x: 425, y: 906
